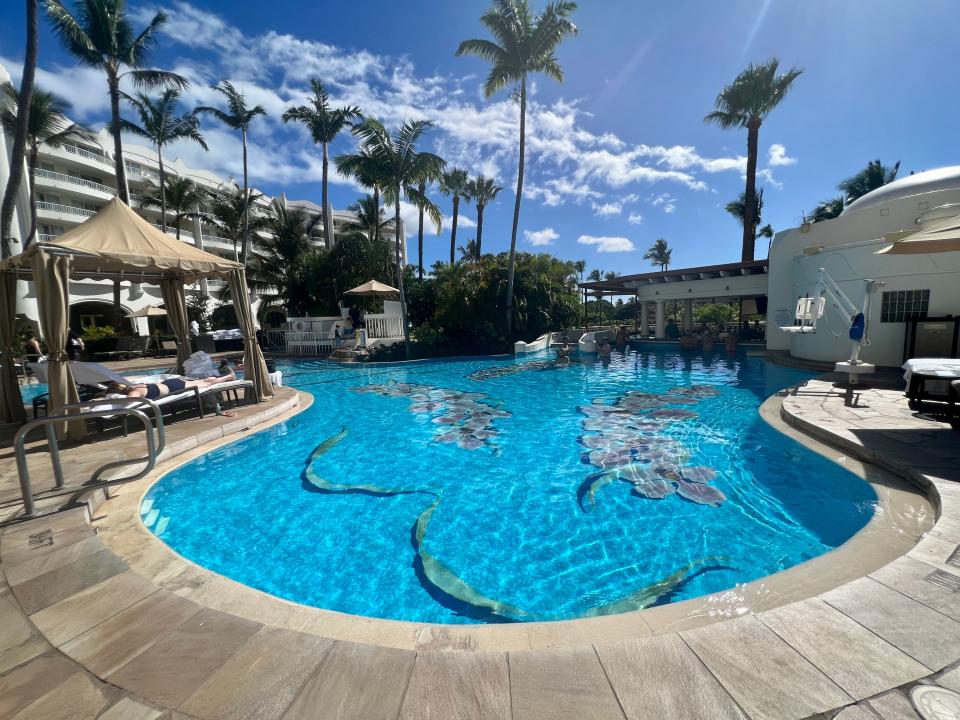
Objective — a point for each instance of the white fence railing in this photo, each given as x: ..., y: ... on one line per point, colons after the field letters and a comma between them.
x: 74, y: 150
x: 384, y: 326
x: 74, y: 180
x: 309, y: 343
x: 56, y: 207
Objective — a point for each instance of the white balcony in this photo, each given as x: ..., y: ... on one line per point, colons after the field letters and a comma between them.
x: 73, y: 157
x: 73, y: 184
x: 63, y: 213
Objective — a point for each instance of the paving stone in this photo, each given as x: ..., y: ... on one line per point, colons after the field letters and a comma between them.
x: 79, y: 697
x: 893, y: 706
x: 857, y: 712
x: 68, y: 618
x: 128, y: 709
x: 261, y: 679
x: 21, y: 687
x: 950, y: 679
x: 924, y: 634
x: 14, y: 628
x: 35, y: 646
x: 34, y: 567
x: 561, y: 683
x: 110, y: 645
x: 56, y: 585
x: 906, y: 575
x: 355, y: 682
x: 458, y: 686
x: 636, y: 669
x: 934, y: 551
x: 854, y: 658
x: 178, y: 664
x: 767, y: 678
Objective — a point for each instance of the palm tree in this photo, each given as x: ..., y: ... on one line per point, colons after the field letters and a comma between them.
x: 99, y: 34
x: 324, y: 123
x: 160, y: 124
x: 47, y: 124
x: 746, y: 103
x: 579, y: 267
x: 181, y: 196
x: 873, y: 176
x: 456, y: 183
x: 482, y: 190
x: 596, y: 275
x: 229, y: 212
x: 469, y: 251
x: 370, y: 219
x: 527, y: 44
x: 237, y: 116
x: 280, y: 263
x: 738, y: 208
x: 403, y: 168
x: 828, y: 209
x: 19, y: 131
x: 659, y: 254
x: 367, y: 170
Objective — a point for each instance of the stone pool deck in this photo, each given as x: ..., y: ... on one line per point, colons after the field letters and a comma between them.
x: 97, y: 622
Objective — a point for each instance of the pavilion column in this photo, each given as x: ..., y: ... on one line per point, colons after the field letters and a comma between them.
x: 644, y: 328
x: 176, y: 307
x: 660, y: 330
x: 688, y: 315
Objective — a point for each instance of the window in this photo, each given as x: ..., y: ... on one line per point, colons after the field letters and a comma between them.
x: 898, y: 305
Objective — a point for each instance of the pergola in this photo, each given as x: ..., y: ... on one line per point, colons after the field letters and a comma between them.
x: 115, y: 244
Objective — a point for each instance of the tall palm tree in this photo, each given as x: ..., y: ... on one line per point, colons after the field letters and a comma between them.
x: 19, y: 130
x: 455, y: 183
x: 746, y: 102
x: 99, y: 34
x: 404, y: 167
x: 659, y: 254
x: 873, y: 176
x: 828, y: 209
x: 181, y: 197
x: 229, y: 212
x: 367, y: 170
x: 324, y: 123
x: 524, y: 44
x: 579, y: 267
x: 370, y: 219
x: 160, y: 124
x: 47, y: 124
x: 482, y: 190
x: 421, y: 209
x: 468, y: 252
x: 738, y: 209
x: 237, y: 116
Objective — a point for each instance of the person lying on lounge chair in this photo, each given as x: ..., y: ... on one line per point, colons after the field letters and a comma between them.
x: 152, y: 391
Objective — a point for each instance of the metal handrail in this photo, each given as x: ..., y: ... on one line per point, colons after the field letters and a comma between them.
x: 136, y: 408
x: 63, y: 177
x: 74, y: 150
x: 69, y: 209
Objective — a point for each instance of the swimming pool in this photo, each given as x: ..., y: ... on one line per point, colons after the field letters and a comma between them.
x: 491, y: 490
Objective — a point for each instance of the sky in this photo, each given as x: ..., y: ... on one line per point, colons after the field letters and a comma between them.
x: 618, y: 154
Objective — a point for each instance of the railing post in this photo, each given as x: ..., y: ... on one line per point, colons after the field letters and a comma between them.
x: 54, y: 450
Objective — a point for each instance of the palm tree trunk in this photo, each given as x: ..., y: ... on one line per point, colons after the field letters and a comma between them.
x: 403, y: 297
x: 516, y: 207
x: 20, y: 132
x: 478, y: 249
x: 327, y: 221
x: 453, y: 230
x: 32, y: 170
x: 750, y: 193
x: 246, y: 202
x: 376, y: 212
x: 422, y: 188
x: 113, y: 83
x: 163, y: 192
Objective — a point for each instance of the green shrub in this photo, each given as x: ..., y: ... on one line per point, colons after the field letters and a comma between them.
x: 98, y: 332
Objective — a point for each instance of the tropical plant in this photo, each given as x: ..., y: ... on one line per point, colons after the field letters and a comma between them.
x: 229, y: 212
x: 580, y: 266
x: 324, y: 123
x: 237, y: 116
x: 99, y: 34
x: 659, y: 254
x: 596, y: 275
x: 403, y: 168
x: 47, y: 124
x: 524, y: 44
x: 161, y: 125
x: 369, y: 218
x: 482, y: 190
x: 283, y: 255
x: 468, y: 251
x: 828, y: 209
x: 738, y: 209
x: 367, y: 170
x: 746, y: 103
x: 19, y: 132
x: 455, y: 183
x: 181, y: 197
x: 873, y: 176
x: 198, y: 310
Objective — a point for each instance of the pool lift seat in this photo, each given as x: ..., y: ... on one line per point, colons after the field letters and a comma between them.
x: 810, y: 308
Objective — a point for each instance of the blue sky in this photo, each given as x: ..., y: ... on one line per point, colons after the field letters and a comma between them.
x: 618, y: 155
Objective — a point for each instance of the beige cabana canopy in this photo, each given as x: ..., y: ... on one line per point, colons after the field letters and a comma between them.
x: 116, y: 244
x: 373, y: 288
x: 941, y: 236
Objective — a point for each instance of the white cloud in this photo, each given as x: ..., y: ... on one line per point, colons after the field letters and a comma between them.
x: 541, y: 237
x: 778, y: 156
x: 635, y: 219
x: 607, y: 244
x: 666, y: 202
x: 608, y: 209
x: 767, y: 175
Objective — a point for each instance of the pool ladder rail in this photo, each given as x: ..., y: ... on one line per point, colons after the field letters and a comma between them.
x: 140, y: 409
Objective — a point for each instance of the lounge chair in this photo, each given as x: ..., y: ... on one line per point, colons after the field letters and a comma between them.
x: 167, y: 347
x: 918, y: 372
x: 123, y: 348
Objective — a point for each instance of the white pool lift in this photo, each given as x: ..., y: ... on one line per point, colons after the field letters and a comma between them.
x: 810, y: 308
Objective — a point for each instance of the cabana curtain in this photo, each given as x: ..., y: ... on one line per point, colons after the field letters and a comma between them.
x: 254, y: 364
x: 176, y: 306
x: 11, y: 403
x: 51, y: 277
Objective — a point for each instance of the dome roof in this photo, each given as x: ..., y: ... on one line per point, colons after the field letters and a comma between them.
x: 946, y: 178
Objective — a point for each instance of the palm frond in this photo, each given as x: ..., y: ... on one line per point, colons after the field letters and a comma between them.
x: 157, y: 79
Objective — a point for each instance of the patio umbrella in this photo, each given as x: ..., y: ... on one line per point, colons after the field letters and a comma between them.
x: 941, y: 236
x: 373, y: 288
x: 147, y: 312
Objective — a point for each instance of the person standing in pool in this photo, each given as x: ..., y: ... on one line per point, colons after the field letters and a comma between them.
x: 673, y: 332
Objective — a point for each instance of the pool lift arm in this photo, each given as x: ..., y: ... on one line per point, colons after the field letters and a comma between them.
x: 810, y: 309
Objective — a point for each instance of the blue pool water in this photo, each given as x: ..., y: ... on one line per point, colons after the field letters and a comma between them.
x: 516, y: 532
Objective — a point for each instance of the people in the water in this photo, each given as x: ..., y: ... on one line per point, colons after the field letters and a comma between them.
x: 621, y: 340
x: 673, y: 331
x: 604, y: 349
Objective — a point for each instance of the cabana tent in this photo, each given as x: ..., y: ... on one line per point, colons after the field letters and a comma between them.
x: 115, y: 244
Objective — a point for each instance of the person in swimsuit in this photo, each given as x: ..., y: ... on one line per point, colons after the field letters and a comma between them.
x: 152, y: 391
